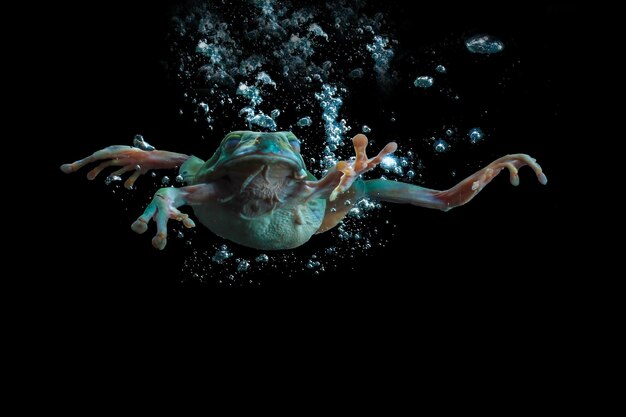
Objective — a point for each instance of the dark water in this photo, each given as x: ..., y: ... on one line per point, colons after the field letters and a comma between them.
x: 124, y: 83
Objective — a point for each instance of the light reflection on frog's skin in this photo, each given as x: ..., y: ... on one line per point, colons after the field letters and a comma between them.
x: 256, y: 191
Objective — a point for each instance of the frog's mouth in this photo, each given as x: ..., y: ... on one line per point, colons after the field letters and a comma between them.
x: 259, y: 183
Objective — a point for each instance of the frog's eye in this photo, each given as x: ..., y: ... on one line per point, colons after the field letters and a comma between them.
x: 295, y: 144
x: 232, y: 143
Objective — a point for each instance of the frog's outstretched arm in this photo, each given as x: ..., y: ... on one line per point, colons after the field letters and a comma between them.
x: 337, y: 184
x: 129, y: 159
x: 164, y: 206
x: 463, y: 192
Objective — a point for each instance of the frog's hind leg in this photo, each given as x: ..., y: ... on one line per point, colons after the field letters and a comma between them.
x: 463, y: 192
x: 129, y: 159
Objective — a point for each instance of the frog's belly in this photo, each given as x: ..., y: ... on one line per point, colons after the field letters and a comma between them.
x: 284, y: 228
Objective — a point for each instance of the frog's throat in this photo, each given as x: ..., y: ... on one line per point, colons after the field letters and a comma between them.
x: 259, y: 190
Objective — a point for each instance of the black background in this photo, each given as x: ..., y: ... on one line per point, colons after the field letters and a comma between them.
x: 107, y: 83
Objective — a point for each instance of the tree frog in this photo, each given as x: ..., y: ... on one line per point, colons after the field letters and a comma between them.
x: 256, y: 190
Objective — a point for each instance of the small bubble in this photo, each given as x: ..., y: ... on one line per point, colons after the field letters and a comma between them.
x: 424, y: 81
x: 347, y: 203
x: 333, y: 210
x: 153, y: 174
x: 305, y: 121
x: 484, y: 44
x: 262, y: 258
x: 388, y: 162
x: 356, y: 73
x: 275, y: 113
x: 243, y: 266
x: 441, y: 145
x: 180, y: 235
x: 139, y: 142
x: 204, y: 108
x: 449, y: 132
x: 112, y: 178
x: 179, y: 178
x: 366, y: 129
x: 441, y: 69
x: 165, y: 180
x: 475, y: 134
x: 221, y: 255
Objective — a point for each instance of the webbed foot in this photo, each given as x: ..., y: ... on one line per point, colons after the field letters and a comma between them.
x: 351, y: 170
x: 511, y: 162
x: 161, y: 209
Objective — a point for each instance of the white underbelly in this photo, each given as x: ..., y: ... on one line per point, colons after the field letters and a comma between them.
x: 283, y: 228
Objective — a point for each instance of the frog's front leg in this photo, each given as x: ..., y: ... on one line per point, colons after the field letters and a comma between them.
x: 339, y: 186
x: 340, y: 178
x: 463, y: 192
x: 129, y: 159
x: 164, y: 206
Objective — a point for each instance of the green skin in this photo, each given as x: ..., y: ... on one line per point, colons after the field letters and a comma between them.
x: 256, y: 191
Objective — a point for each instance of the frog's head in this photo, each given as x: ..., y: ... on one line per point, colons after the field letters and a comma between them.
x: 256, y: 148
x: 262, y: 169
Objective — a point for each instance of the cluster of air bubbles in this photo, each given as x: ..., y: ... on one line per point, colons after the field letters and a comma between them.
x: 262, y: 120
x: 251, y: 93
x: 210, y: 51
x: 334, y: 129
x: 381, y: 54
x: 363, y: 208
x: 484, y: 44
x: 441, y: 69
x: 242, y: 265
x: 316, y: 30
x: 140, y: 142
x: 305, y: 121
x: 424, y: 81
x: 395, y: 164
x: 313, y: 263
x: 265, y: 79
x: 221, y: 255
